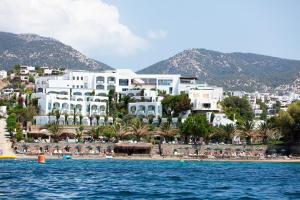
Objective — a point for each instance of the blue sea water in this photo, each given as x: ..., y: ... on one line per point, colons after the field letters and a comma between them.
x: 118, y: 179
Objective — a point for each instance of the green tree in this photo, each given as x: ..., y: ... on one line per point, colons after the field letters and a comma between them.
x: 79, y: 133
x: 266, y: 131
x: 238, y: 108
x: 108, y: 132
x: 288, y: 123
x: 195, y: 126
x: 277, y: 106
x: 176, y: 104
x: 17, y: 69
x: 11, y: 122
x: 55, y: 131
x: 138, y: 128
x: 19, y: 132
x: 57, y: 115
x: 246, y: 129
x: 264, y: 109
x: 66, y: 115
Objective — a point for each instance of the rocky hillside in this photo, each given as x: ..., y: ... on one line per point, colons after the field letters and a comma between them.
x: 233, y: 71
x: 30, y: 49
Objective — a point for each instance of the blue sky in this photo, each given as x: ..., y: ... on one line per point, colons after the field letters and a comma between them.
x: 137, y: 33
x: 257, y: 26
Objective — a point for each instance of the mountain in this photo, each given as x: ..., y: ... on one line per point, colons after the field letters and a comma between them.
x: 30, y: 49
x: 233, y: 71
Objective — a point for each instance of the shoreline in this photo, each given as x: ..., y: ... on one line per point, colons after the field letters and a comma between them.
x: 136, y: 158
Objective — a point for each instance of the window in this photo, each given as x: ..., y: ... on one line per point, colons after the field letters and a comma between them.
x: 100, y: 87
x: 123, y: 82
x: 73, y: 77
x: 111, y: 79
x: 77, y: 77
x: 149, y: 81
x: 81, y: 86
x: 165, y: 82
x: 100, y: 79
x: 111, y: 87
x: 82, y: 78
x: 77, y: 86
x: 206, y: 105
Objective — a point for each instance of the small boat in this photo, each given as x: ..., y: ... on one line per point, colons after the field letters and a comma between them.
x: 7, y: 157
x: 67, y: 157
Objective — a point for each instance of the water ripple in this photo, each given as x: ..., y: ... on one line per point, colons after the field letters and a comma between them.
x: 112, y: 179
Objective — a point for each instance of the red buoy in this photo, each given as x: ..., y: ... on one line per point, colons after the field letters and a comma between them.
x: 41, y: 159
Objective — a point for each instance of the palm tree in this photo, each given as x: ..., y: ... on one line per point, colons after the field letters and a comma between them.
x: 138, y: 128
x: 266, y: 131
x: 79, y: 133
x: 80, y: 119
x: 120, y: 129
x: 57, y: 115
x: 166, y: 131
x: 229, y: 131
x: 74, y: 116
x: 91, y: 119
x: 54, y: 130
x: 66, y: 118
x: 97, y: 119
x: 247, y: 130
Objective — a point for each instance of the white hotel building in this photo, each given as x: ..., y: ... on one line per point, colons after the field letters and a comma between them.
x: 86, y: 92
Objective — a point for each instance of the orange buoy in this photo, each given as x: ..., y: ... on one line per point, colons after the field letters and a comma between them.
x: 41, y: 159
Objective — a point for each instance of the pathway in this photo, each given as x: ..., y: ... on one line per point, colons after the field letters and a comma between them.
x: 5, y: 143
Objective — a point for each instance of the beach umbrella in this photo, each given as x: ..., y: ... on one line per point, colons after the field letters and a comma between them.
x: 57, y: 147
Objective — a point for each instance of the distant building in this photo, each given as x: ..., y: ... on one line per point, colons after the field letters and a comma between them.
x: 205, y: 98
x: 3, y: 74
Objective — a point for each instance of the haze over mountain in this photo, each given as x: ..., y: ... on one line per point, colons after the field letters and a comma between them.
x: 233, y: 71
x: 31, y: 49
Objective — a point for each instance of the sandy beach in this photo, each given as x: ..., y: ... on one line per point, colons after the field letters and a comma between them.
x: 159, y: 158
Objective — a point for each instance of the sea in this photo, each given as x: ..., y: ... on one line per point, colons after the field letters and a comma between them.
x: 121, y: 179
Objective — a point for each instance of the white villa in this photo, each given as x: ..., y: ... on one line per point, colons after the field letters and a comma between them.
x: 206, y: 98
x: 85, y: 93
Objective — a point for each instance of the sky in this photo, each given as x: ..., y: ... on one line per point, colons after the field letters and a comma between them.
x: 137, y: 33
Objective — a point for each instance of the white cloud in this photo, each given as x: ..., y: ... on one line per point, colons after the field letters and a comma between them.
x: 158, y: 34
x: 90, y: 26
